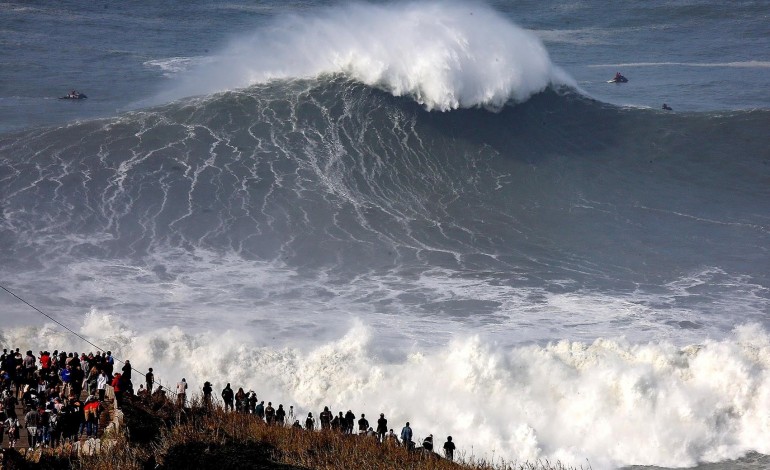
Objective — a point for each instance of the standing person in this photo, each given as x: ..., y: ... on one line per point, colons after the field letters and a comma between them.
x: 382, y: 427
x: 449, y: 448
x: 3, y: 417
x: 206, y: 394
x: 227, y: 396
x: 91, y: 413
x: 181, y: 392
x: 240, y: 400
x: 350, y: 420
x: 269, y: 413
x: 406, y: 436
x: 291, y: 413
x: 127, y: 372
x: 252, y: 402
x: 326, y: 418
x: 12, y: 425
x: 101, y: 384
x: 30, y: 422
x: 260, y: 410
x: 109, y: 363
x: 363, y: 424
x: 280, y: 415
x: 309, y: 422
x: 149, y: 379
x: 117, y: 386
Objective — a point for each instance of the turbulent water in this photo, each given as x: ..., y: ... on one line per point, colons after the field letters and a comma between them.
x: 437, y: 211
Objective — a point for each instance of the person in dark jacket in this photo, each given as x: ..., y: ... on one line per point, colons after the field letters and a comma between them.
x: 382, y: 427
x: 449, y: 448
x: 228, y: 395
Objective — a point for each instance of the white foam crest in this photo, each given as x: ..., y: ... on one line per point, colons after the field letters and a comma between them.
x: 609, y: 401
x: 445, y: 55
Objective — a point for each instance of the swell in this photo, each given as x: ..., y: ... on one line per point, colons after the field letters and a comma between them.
x: 334, y: 190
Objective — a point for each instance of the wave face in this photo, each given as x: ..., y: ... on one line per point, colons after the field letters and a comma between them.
x: 263, y: 221
x: 445, y: 55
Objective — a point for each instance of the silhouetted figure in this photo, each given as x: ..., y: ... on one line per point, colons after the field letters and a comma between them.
x: 449, y: 448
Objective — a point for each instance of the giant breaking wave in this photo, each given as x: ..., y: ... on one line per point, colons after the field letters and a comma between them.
x: 445, y: 55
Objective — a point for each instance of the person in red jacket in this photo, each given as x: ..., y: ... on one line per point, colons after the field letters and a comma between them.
x: 117, y: 387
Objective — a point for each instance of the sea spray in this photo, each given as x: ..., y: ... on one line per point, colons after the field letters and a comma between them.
x: 610, y: 401
x: 445, y: 55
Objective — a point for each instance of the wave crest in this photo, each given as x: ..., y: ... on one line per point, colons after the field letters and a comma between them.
x: 445, y: 56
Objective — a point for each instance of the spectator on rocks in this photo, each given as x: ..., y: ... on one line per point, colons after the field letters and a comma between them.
x: 363, y: 424
x: 337, y: 422
x: 382, y: 427
x: 326, y: 418
x: 406, y: 436
x: 252, y: 402
x: 350, y: 419
x: 449, y: 448
x: 181, y: 392
x: 269, y: 413
x: 280, y: 415
x: 12, y: 425
x: 127, y: 371
x: 240, y: 401
x: 427, y: 443
x: 92, y: 379
x: 117, y: 386
x: 260, y: 410
x: 109, y: 363
x: 76, y: 379
x: 227, y: 396
x: 31, y: 422
x: 149, y: 379
x: 206, y: 393
x: 309, y: 422
x: 91, y: 416
x: 391, y: 438
x: 43, y: 426
x: 101, y: 384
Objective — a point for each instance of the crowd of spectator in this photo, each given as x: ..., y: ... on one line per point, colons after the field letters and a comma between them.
x: 51, y: 387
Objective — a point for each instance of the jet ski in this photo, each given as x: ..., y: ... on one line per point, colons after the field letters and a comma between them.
x: 618, y: 79
x: 73, y: 96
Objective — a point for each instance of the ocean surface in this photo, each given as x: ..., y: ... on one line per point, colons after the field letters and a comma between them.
x: 436, y: 210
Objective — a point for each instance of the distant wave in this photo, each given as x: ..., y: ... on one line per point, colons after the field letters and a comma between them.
x: 744, y: 64
x: 445, y: 56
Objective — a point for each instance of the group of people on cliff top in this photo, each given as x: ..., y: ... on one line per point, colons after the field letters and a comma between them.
x: 345, y: 423
x: 50, y: 387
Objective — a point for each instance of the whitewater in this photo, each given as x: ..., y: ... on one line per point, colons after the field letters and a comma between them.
x: 437, y: 211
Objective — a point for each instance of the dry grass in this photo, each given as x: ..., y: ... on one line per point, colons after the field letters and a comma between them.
x: 225, y: 438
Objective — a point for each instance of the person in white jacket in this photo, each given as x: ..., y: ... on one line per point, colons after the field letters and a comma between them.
x: 101, y: 384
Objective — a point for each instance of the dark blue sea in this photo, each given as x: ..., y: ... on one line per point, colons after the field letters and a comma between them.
x: 441, y: 211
